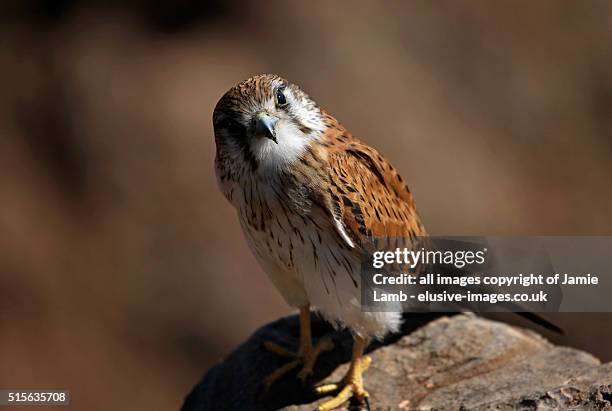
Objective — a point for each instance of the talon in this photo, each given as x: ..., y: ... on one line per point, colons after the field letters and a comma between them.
x: 307, y: 355
x: 352, y: 383
x: 310, y: 358
x: 350, y: 390
x: 270, y: 379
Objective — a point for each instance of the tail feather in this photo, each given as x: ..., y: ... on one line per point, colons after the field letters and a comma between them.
x: 541, y: 321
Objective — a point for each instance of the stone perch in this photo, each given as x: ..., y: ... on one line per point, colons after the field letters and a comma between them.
x: 459, y: 362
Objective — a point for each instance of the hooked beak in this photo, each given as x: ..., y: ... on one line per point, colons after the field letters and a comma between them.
x: 265, y: 125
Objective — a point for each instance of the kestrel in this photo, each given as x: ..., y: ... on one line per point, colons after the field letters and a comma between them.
x: 308, y: 194
x: 309, y: 197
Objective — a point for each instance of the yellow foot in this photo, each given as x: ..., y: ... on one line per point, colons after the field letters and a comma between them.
x: 306, y: 356
x: 350, y: 386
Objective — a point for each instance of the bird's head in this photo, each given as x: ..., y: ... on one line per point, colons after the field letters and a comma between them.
x: 266, y: 121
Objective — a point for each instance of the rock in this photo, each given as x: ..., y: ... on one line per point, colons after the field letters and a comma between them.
x: 438, y: 362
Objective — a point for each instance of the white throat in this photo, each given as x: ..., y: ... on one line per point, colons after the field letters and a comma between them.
x: 292, y: 143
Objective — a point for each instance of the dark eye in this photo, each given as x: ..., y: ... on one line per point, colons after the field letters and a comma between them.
x: 281, y: 100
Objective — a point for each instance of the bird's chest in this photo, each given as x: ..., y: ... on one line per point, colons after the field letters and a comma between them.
x: 295, y: 242
x: 280, y: 223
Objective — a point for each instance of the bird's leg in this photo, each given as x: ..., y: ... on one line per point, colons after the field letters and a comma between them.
x: 352, y: 383
x: 307, y: 353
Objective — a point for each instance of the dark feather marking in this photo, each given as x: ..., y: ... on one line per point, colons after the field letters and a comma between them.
x: 334, y: 256
x: 280, y: 225
x: 332, y: 275
x: 348, y: 267
x: 364, y: 157
x: 314, y: 254
x: 305, y: 129
x: 300, y: 235
x: 313, y: 221
x: 316, y: 258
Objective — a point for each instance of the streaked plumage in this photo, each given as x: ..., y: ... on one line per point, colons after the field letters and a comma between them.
x: 306, y: 210
x: 308, y: 194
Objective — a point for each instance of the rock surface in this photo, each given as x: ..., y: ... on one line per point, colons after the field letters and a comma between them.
x: 459, y: 362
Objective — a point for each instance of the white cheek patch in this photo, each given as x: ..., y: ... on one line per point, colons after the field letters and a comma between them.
x: 306, y: 111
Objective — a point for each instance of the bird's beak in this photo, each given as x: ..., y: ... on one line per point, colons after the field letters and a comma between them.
x: 265, y: 125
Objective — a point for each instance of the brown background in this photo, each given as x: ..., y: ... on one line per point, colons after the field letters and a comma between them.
x: 123, y: 272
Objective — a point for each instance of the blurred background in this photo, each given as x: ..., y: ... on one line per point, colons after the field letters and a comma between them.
x: 123, y: 272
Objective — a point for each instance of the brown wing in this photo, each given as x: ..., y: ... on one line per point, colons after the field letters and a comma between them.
x: 369, y: 196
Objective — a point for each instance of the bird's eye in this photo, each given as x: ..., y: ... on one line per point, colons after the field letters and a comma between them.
x: 281, y: 100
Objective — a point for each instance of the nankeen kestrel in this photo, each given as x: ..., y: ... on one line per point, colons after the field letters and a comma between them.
x: 310, y: 197
x: 308, y: 194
